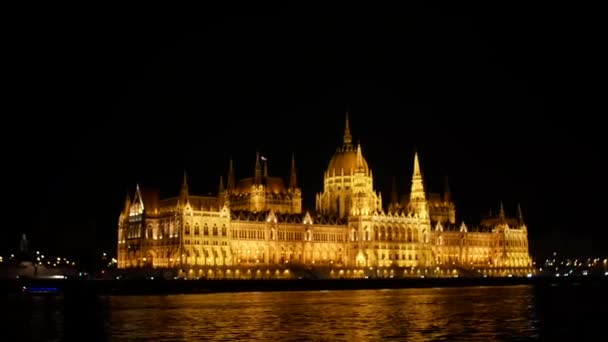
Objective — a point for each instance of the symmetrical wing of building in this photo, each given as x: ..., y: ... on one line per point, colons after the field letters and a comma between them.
x: 256, y: 227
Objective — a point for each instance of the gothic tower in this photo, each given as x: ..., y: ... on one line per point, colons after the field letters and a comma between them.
x: 417, y: 201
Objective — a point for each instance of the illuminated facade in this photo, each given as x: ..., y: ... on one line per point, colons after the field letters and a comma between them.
x: 256, y: 228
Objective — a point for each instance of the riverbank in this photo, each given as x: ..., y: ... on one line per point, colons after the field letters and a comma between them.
x: 179, y: 286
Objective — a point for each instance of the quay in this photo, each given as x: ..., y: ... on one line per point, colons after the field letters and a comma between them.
x: 180, y: 286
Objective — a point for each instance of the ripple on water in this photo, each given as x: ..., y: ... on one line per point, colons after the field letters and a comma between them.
x: 471, y: 314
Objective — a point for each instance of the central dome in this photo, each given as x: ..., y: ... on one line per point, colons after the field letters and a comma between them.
x: 346, y: 159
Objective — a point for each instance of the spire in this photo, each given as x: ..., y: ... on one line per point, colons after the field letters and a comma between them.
x: 184, y: 193
x: 184, y: 184
x: 220, y: 189
x: 417, y: 173
x: 394, y: 194
x: 258, y: 169
x: 417, y: 191
x: 519, y: 214
x: 360, y: 166
x: 501, y: 213
x: 230, y: 184
x: 417, y: 201
x: 138, y: 203
x: 348, y: 138
x: 293, y: 184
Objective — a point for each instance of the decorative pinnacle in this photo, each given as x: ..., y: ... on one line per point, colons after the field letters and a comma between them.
x: 519, y: 213
x: 185, y: 183
x: 258, y: 168
x: 230, y: 183
x: 292, y: 177
x: 184, y: 191
x: 348, y: 138
x: 417, y: 173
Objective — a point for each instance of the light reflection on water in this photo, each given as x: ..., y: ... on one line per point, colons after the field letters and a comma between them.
x: 474, y: 313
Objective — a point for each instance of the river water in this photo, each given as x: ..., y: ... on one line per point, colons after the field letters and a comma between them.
x: 508, y: 313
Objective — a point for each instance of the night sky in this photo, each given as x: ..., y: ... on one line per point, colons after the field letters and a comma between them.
x: 501, y: 100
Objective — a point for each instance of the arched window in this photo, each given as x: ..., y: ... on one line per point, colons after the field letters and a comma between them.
x: 214, y: 230
x: 187, y: 232
x: 223, y: 230
x: 197, y: 230
x: 205, y: 230
x: 366, y: 235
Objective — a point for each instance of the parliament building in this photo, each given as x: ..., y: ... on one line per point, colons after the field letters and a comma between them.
x: 256, y: 228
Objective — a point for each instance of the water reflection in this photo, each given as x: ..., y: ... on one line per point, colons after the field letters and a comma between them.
x: 472, y: 314
x: 412, y: 314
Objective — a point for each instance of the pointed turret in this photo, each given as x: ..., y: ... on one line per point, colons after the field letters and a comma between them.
x: 184, y: 188
x: 417, y: 191
x: 184, y: 194
x: 137, y: 206
x: 417, y: 201
x: 293, y: 183
x: 258, y: 169
x: 520, y: 216
x: 230, y: 184
x: 360, y: 166
x: 348, y: 138
x: 501, y: 213
x: 417, y: 173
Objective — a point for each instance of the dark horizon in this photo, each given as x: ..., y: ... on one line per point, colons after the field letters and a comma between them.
x: 498, y: 100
